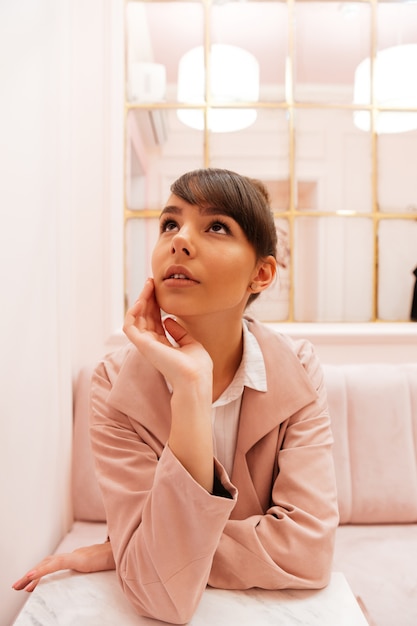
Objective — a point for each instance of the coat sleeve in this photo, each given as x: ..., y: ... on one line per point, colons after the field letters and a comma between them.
x: 291, y: 545
x: 163, y: 526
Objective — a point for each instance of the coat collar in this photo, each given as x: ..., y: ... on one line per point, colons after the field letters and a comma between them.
x: 140, y: 391
x: 289, y: 388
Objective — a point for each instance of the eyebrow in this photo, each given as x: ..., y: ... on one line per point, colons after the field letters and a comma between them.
x: 208, y: 210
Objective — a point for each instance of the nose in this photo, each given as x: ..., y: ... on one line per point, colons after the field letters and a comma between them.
x: 183, y: 249
x: 181, y: 243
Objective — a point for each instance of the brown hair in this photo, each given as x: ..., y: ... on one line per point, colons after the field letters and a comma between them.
x: 244, y: 199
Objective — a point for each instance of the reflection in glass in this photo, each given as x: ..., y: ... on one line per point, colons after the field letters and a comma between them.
x: 394, y: 86
x: 339, y: 35
x: 396, y: 24
x: 397, y: 261
x: 335, y: 157
x: 260, y: 151
x: 303, y: 143
x: 158, y: 150
x: 234, y: 78
x: 157, y: 35
x: 261, y: 28
x: 397, y: 179
x: 145, y: 135
x: 393, y: 70
x: 140, y: 238
x: 333, y: 269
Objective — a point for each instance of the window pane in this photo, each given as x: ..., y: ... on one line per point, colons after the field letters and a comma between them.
x: 261, y: 151
x: 325, y: 170
x: 140, y: 238
x: 333, y: 266
x: 331, y: 38
x: 397, y: 262
x: 159, y: 148
x: 396, y: 24
x: 260, y: 28
x: 157, y: 36
x: 334, y: 156
x: 397, y: 179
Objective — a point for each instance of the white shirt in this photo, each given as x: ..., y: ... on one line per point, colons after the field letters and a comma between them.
x: 226, y: 409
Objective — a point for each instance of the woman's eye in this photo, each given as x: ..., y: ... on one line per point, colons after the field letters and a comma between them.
x: 219, y: 227
x: 168, y: 225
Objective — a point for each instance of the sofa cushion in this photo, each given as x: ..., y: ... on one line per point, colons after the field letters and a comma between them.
x: 373, y: 408
x: 379, y: 565
x: 82, y: 534
x: 86, y: 495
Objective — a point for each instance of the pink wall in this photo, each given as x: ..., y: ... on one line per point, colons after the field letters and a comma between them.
x: 58, y: 269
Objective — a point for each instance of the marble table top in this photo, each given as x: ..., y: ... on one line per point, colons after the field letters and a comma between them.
x: 70, y: 599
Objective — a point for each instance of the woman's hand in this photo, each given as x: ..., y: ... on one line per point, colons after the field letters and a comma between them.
x: 95, y: 558
x: 144, y: 327
x: 189, y: 370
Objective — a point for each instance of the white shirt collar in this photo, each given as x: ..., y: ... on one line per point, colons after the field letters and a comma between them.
x: 251, y: 372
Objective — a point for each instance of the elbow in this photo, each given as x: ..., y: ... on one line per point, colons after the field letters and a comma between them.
x: 321, y: 552
x: 319, y: 568
x: 154, y: 601
x: 174, y: 614
x: 313, y: 567
x: 322, y: 577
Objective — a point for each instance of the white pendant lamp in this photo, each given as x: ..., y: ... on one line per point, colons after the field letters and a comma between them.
x: 395, y: 80
x: 234, y: 77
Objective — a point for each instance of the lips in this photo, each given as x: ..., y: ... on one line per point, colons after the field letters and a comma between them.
x: 176, y: 272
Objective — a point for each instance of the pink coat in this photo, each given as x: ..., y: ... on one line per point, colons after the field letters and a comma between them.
x: 270, y: 525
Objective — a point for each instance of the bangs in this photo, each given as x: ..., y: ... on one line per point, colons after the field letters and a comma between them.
x: 217, y: 189
x: 243, y: 199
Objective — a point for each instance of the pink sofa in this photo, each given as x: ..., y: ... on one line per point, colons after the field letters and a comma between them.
x: 374, y: 416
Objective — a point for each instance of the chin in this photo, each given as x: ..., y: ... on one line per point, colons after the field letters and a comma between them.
x: 169, y: 307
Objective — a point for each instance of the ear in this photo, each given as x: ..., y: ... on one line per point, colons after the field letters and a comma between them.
x: 264, y: 274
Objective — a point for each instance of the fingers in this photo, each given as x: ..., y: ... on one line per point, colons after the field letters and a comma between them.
x: 26, y: 583
x: 177, y: 332
x: 32, y: 585
x: 138, y: 309
x: 22, y: 583
x: 94, y: 558
x: 49, y: 565
x: 144, y: 315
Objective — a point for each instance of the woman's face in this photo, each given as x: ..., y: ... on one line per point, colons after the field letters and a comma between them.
x: 202, y: 262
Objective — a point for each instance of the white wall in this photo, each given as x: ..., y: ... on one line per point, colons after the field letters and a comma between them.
x: 58, y: 64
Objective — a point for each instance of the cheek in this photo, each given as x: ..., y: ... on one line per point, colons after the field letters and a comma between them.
x: 155, y: 260
x: 240, y: 265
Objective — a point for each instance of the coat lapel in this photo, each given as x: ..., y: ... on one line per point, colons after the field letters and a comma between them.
x: 289, y: 390
x: 140, y: 391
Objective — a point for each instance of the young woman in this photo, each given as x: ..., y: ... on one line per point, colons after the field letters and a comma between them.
x: 210, y: 431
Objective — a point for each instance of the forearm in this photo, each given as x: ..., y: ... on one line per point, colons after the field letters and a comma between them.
x: 191, y: 439
x: 164, y: 563
x: 292, y: 552
x: 291, y: 544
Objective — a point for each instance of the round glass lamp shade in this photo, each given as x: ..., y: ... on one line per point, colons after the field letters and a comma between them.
x: 234, y: 77
x: 395, y: 85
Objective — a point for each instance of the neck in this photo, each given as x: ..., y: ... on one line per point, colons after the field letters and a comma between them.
x: 224, y: 343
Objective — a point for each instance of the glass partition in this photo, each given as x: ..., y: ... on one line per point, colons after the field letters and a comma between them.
x: 297, y: 94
